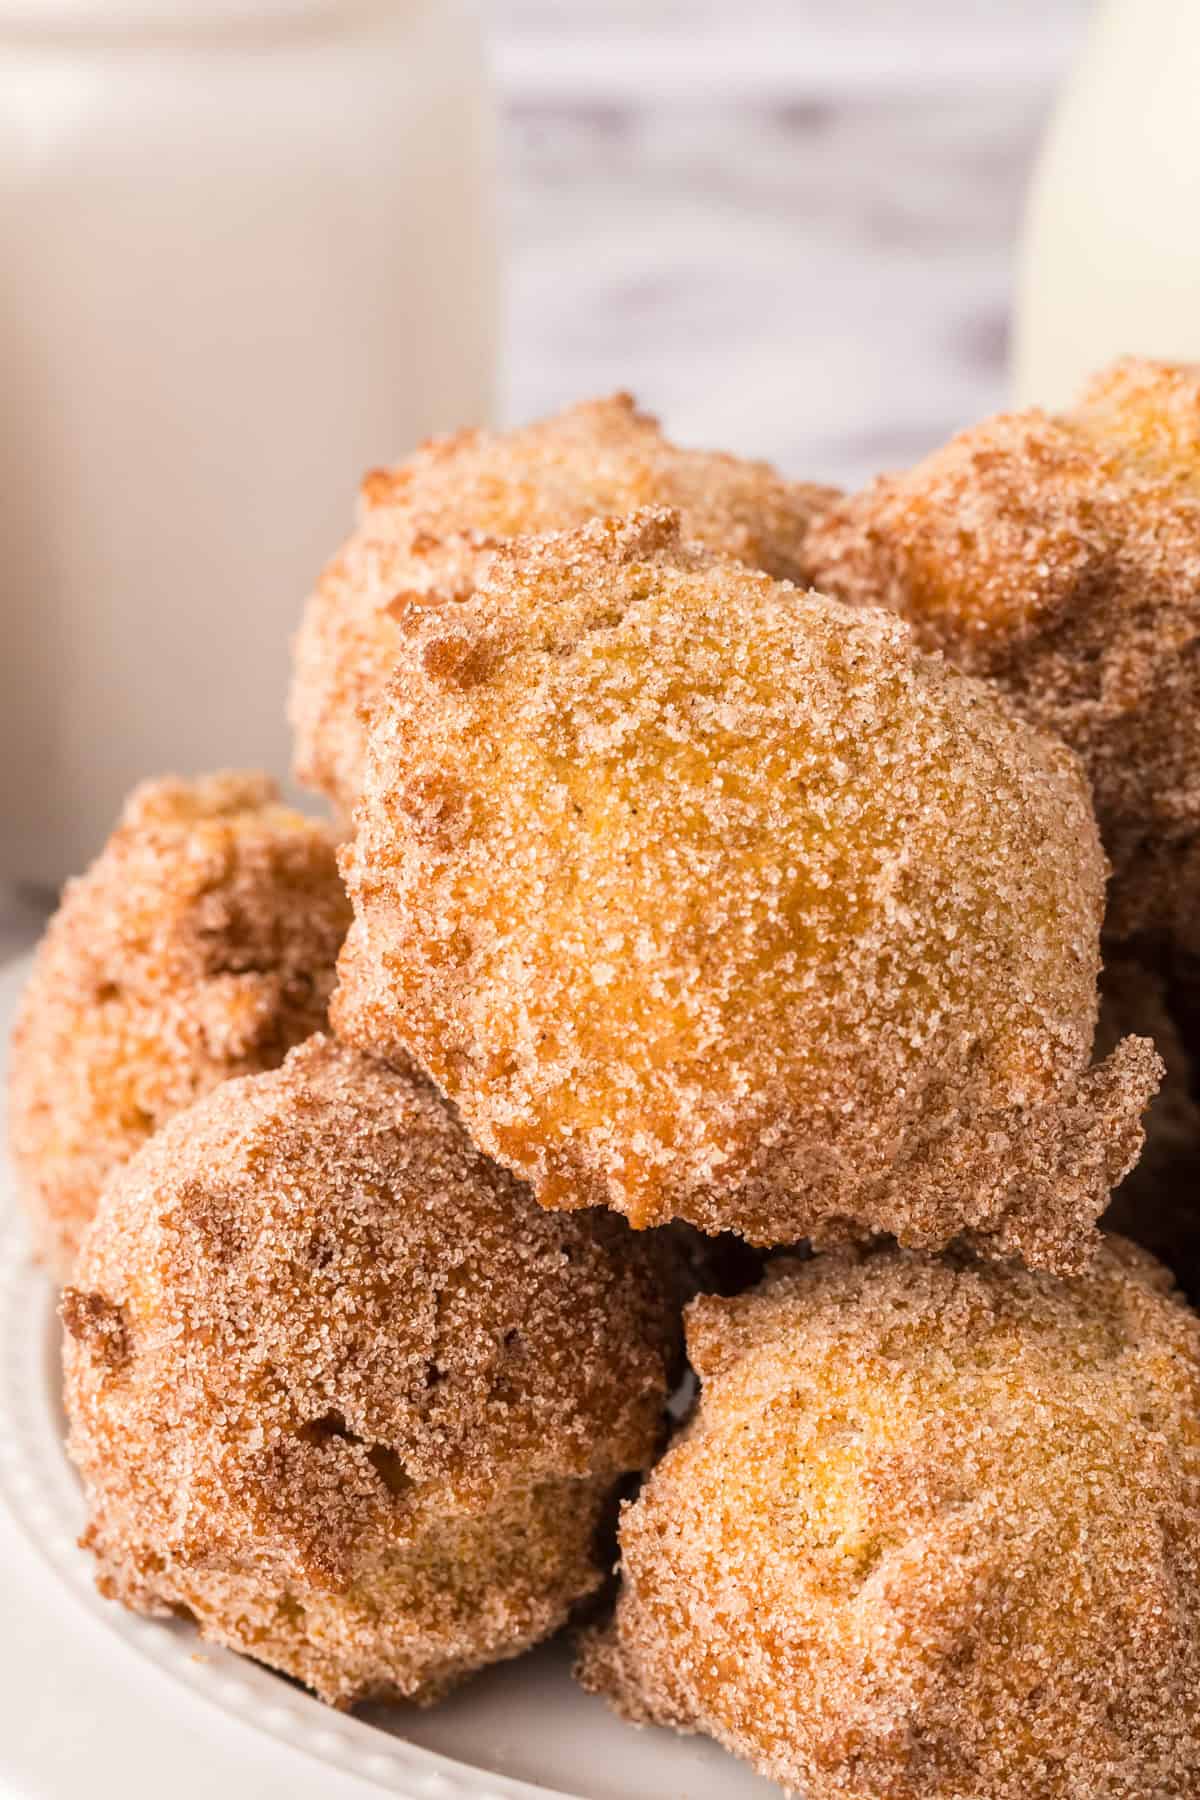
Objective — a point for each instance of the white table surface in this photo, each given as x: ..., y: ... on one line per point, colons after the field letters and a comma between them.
x: 790, y: 228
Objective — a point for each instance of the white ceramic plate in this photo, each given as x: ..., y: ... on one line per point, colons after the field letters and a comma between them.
x: 96, y: 1701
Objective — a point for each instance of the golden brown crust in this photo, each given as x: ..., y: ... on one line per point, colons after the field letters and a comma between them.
x: 428, y: 529
x: 340, y: 1390
x: 199, y: 945
x: 1060, y: 558
x: 932, y: 1534
x: 706, y: 898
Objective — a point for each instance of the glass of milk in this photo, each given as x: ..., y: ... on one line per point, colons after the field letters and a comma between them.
x: 1111, y: 259
x: 246, y: 252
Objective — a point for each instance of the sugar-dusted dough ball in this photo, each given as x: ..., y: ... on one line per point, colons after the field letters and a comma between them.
x: 428, y: 529
x: 200, y: 944
x: 706, y: 898
x: 339, y: 1390
x: 1060, y: 558
x: 933, y: 1533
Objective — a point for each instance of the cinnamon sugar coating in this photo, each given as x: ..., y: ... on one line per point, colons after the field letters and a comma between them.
x: 1158, y: 1203
x: 343, y: 1393
x: 933, y: 1533
x: 200, y: 944
x: 427, y: 531
x: 1060, y: 558
x: 706, y: 898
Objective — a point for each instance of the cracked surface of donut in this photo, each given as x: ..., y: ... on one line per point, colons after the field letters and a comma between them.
x: 704, y: 897
x: 933, y: 1532
x: 428, y: 530
x: 200, y: 944
x: 341, y: 1392
x: 1059, y: 556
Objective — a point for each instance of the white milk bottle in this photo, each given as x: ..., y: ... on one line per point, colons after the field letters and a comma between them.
x: 246, y: 251
x: 1111, y: 260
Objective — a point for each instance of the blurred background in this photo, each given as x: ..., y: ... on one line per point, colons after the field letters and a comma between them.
x: 255, y: 247
x: 791, y: 227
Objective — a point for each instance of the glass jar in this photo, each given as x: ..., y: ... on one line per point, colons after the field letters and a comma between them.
x: 247, y: 251
x: 1111, y: 261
